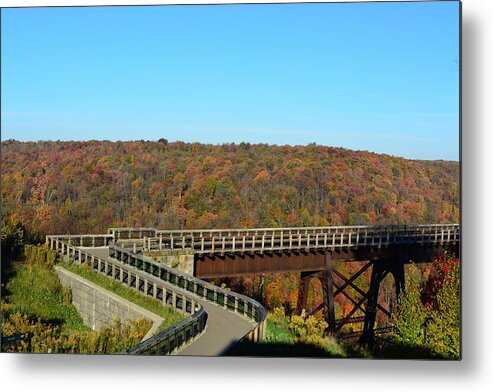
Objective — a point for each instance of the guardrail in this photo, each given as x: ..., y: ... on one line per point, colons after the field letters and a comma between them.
x: 131, y: 232
x: 165, y: 342
x: 149, y: 281
x: 289, y: 230
x: 339, y: 238
x: 82, y: 240
x: 229, y: 300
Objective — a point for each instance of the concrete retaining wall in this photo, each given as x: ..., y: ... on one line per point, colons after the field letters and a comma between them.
x: 99, y: 307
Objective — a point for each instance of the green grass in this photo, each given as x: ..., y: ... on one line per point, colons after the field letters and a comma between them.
x: 169, y: 315
x: 278, y: 331
x: 34, y: 290
x: 281, y: 341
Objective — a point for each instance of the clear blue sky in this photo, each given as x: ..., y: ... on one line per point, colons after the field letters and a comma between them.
x: 382, y: 77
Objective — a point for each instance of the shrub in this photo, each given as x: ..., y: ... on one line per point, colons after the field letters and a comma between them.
x: 45, y: 338
x: 278, y: 315
x: 297, y: 325
x: 431, y: 322
x: 411, y: 314
x: 442, y: 330
x: 40, y: 254
x: 311, y: 327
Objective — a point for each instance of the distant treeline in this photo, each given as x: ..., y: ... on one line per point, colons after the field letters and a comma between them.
x: 81, y: 187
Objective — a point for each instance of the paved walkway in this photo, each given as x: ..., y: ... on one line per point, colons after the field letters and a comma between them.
x: 223, y: 329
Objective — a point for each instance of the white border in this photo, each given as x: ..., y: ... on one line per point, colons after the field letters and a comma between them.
x: 474, y: 373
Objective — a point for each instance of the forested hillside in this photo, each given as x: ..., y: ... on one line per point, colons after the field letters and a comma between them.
x: 79, y: 187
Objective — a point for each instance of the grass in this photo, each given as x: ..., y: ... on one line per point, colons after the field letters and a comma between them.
x: 278, y: 331
x: 169, y: 315
x: 281, y: 341
x: 35, y: 305
x: 34, y: 290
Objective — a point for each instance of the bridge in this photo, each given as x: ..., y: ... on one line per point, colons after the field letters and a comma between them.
x: 310, y: 251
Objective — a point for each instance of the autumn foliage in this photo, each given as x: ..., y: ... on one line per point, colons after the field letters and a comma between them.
x: 82, y: 187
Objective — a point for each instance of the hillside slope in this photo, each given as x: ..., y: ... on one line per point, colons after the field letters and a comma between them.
x: 78, y: 187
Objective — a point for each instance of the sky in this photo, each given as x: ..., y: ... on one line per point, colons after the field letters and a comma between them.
x: 381, y: 77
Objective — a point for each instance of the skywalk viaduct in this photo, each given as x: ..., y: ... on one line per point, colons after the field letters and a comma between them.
x: 310, y: 251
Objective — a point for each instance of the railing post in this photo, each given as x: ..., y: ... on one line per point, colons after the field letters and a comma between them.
x: 164, y: 294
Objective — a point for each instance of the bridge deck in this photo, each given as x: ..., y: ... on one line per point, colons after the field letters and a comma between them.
x: 224, y: 328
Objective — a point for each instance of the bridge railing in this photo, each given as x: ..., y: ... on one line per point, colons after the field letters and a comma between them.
x: 131, y: 232
x: 165, y: 342
x: 85, y: 240
x: 290, y: 230
x: 229, y: 300
x: 350, y: 237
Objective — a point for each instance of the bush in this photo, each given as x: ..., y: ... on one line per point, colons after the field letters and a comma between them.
x: 431, y: 322
x: 278, y: 315
x: 45, y: 338
x: 443, y: 328
x: 411, y: 314
x: 297, y: 325
x: 311, y: 327
x: 40, y: 254
x: 12, y: 239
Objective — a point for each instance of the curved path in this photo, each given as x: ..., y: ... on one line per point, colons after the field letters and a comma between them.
x: 224, y: 328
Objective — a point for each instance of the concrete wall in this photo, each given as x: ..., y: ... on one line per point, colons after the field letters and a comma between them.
x: 181, y: 260
x: 99, y: 307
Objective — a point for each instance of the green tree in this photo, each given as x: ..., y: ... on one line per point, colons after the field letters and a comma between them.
x: 434, y: 327
x: 411, y: 314
x: 443, y: 328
